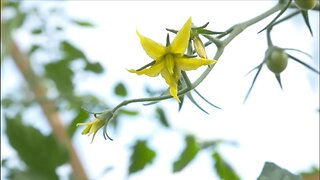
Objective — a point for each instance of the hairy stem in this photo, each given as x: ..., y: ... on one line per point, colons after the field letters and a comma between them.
x: 233, y: 32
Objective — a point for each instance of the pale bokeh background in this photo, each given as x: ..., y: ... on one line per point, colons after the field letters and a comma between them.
x: 274, y: 125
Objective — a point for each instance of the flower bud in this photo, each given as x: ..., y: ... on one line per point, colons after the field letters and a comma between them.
x: 198, y: 46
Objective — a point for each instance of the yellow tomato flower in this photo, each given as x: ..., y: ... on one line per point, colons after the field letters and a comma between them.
x: 96, y: 124
x: 170, y: 60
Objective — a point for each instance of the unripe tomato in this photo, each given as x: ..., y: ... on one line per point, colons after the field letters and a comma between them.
x: 306, y: 4
x: 276, y: 59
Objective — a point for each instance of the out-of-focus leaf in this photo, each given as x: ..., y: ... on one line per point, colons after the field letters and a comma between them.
x: 33, y: 48
x: 162, y: 117
x: 7, y: 102
x: 83, y: 23
x: 59, y: 28
x: 81, y: 117
x: 120, y: 90
x: 37, y: 31
x: 16, y: 174
x: 271, y: 171
x: 11, y: 4
x: 7, y: 27
x: 187, y: 155
x: 42, y: 154
x: 141, y: 156
x: 223, y: 169
x: 94, y: 67
x: 62, y: 75
x: 306, y: 20
x: 71, y: 52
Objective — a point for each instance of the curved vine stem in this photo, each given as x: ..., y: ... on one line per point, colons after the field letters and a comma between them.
x: 232, y: 32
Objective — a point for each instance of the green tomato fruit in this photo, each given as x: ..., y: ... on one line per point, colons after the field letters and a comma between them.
x: 306, y: 4
x: 276, y: 60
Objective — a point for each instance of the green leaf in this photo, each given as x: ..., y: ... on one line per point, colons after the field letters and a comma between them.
x: 7, y: 102
x: 223, y: 169
x: 271, y: 171
x: 141, y: 156
x: 162, y: 117
x: 83, y: 23
x: 187, y: 155
x: 71, y: 52
x: 94, y: 67
x: 16, y: 174
x: 33, y: 48
x: 120, y: 90
x: 42, y: 154
x: 81, y: 117
x: 37, y: 31
x: 306, y: 20
x: 8, y: 27
x: 61, y: 74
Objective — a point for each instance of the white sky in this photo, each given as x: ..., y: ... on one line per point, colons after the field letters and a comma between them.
x: 274, y: 125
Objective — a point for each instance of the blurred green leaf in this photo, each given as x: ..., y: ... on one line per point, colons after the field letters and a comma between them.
x: 42, y: 154
x: 120, y: 90
x: 187, y: 155
x: 223, y: 169
x: 94, y: 67
x: 81, y: 117
x: 7, y: 27
x: 162, y: 117
x: 141, y: 156
x: 33, y: 48
x: 60, y: 73
x: 71, y: 52
x: 7, y: 102
x: 83, y: 23
x: 12, y: 4
x: 271, y: 171
x: 16, y: 174
x: 37, y: 31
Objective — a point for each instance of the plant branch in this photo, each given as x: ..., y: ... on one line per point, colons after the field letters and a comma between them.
x: 232, y: 32
x: 48, y: 108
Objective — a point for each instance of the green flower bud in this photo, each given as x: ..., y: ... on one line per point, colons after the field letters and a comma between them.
x: 276, y: 59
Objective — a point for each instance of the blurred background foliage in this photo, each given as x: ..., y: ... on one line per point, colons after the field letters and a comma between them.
x: 52, y: 64
x: 55, y: 61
